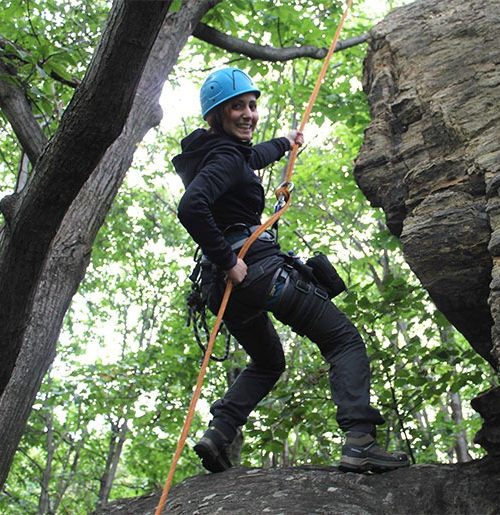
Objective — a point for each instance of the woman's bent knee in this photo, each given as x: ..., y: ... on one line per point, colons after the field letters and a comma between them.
x: 273, y: 363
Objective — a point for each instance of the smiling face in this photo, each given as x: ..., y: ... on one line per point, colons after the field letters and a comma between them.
x: 240, y: 116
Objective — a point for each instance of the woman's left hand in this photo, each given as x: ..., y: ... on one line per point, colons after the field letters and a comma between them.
x: 295, y: 137
x: 238, y: 272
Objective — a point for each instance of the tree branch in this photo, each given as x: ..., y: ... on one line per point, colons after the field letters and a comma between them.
x: 72, y: 83
x: 265, y: 52
x: 22, y: 172
x: 17, y: 110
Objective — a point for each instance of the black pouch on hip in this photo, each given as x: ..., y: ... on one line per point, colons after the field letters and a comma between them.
x: 326, y: 275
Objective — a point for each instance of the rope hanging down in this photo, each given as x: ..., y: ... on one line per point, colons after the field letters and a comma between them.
x: 283, y: 192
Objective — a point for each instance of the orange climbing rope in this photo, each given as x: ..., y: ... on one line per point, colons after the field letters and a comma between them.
x: 283, y: 192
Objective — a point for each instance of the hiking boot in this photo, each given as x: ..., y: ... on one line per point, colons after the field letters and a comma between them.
x: 361, y: 453
x: 212, y: 449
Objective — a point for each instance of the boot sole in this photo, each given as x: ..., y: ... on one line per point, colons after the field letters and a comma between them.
x: 360, y: 465
x: 211, y: 458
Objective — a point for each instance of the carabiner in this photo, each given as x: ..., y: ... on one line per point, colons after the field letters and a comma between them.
x: 286, y: 185
x: 284, y: 190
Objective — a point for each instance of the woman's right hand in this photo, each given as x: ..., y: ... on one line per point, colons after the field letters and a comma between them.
x: 295, y: 137
x: 238, y: 272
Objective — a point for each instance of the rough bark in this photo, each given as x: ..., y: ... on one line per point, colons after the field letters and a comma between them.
x: 69, y: 253
x: 93, y: 120
x: 472, y: 488
x: 431, y: 157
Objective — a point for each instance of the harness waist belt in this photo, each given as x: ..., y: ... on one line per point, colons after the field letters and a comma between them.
x: 238, y: 234
x: 265, y: 236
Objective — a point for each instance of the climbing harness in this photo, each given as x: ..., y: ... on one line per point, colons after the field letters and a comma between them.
x: 236, y: 235
x: 197, y: 314
x: 197, y: 319
x: 283, y: 194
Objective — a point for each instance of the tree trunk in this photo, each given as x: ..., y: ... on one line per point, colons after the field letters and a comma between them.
x: 69, y: 253
x: 22, y: 172
x: 66, y: 478
x: 461, y: 445
x: 427, y: 440
x: 44, y: 500
x: 93, y: 120
x: 118, y: 437
x: 16, y: 109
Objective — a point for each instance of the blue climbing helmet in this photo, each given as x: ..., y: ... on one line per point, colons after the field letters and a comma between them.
x: 223, y: 85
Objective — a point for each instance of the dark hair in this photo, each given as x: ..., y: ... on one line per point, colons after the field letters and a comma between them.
x: 216, y: 122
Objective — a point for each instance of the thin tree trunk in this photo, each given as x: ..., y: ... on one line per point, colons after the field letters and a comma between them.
x: 118, y: 436
x: 44, y: 500
x: 66, y: 479
x: 461, y: 445
x: 15, y: 107
x: 286, y: 453
x: 428, y: 442
x: 295, y: 448
x: 446, y: 414
x: 22, y: 172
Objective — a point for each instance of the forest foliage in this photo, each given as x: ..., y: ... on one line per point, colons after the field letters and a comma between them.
x: 117, y: 393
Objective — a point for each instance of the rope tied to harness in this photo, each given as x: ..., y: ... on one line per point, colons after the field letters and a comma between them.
x: 283, y: 192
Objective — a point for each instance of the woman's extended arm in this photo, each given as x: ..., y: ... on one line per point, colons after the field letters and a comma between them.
x: 263, y: 154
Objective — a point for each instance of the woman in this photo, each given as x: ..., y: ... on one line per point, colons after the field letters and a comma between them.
x: 222, y: 205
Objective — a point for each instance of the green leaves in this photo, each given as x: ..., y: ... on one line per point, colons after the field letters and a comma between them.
x: 126, y: 352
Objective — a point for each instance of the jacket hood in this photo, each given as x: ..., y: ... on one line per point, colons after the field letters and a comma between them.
x: 198, y: 146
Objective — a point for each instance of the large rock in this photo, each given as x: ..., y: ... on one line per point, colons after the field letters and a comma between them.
x: 488, y: 406
x: 431, y: 155
x: 472, y: 488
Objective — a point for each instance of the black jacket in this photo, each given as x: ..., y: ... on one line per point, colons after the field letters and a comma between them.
x: 222, y: 188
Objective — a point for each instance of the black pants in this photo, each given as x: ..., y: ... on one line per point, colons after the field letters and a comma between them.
x: 307, y: 311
